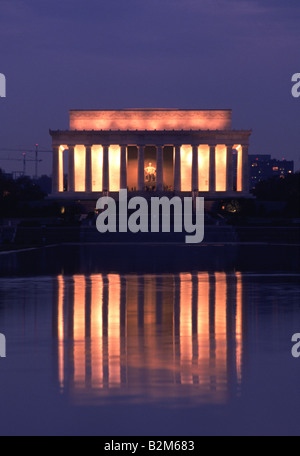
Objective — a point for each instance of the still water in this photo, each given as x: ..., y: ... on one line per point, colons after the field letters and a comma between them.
x: 150, y: 354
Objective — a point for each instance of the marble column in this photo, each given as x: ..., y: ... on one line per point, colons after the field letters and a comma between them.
x: 55, y: 170
x: 212, y: 168
x: 177, y: 168
x: 195, y: 170
x: 159, y: 169
x: 123, y: 168
x: 71, y: 170
x: 229, y: 168
x: 88, y: 169
x: 105, y: 179
x: 245, y: 169
x: 141, y: 168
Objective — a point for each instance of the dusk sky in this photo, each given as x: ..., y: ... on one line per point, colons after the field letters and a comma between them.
x: 102, y: 54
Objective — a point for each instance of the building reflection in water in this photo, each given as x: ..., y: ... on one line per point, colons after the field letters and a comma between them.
x: 150, y: 336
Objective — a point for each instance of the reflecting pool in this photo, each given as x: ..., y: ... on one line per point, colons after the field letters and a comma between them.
x: 153, y: 354
x: 149, y: 337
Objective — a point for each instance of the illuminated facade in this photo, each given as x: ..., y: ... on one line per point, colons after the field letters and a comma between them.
x: 150, y: 150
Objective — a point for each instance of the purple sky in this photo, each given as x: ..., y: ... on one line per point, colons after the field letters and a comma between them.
x: 101, y: 54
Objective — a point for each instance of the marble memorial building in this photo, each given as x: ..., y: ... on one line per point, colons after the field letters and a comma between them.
x: 159, y: 150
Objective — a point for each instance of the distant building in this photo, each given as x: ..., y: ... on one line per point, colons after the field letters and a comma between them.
x: 263, y: 167
x: 153, y: 150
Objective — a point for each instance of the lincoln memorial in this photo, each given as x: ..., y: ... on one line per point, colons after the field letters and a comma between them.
x: 153, y: 150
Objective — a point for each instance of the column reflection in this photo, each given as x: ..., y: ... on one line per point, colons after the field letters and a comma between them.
x: 156, y: 336
x: 79, y: 331
x: 186, y: 347
x: 114, y: 328
x: 61, y: 331
x: 97, y: 331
